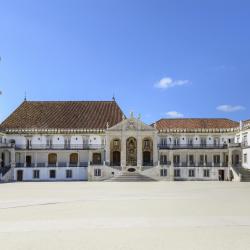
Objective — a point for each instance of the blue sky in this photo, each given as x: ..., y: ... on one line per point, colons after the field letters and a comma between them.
x: 160, y: 58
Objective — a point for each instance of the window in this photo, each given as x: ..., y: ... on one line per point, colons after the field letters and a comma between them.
x: 28, y: 160
x: 116, y: 143
x: 191, y: 159
x: 176, y: 159
x: 177, y: 173
x: 146, y: 143
x: 206, y: 173
x: 190, y: 141
x: 245, y: 158
x: 52, y: 159
x: 68, y: 173
x: 73, y: 159
x: 203, y: 141
x: 163, y: 172
x: 36, y: 174
x: 164, y: 141
x: 216, y: 159
x: 244, y: 140
x: 52, y: 174
x: 191, y: 173
x: 97, y: 172
x: 203, y: 159
x: 176, y: 141
x: 163, y: 159
x: 216, y: 141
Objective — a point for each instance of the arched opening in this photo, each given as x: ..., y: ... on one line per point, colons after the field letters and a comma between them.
x: 115, y: 152
x: 146, y: 158
x: 28, y: 160
x: 236, y: 158
x: 131, y: 151
x: 147, y: 152
x: 116, y: 158
x: 52, y: 159
x: 97, y: 159
x: 73, y: 159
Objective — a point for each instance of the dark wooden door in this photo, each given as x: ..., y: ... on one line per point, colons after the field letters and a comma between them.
x: 19, y: 175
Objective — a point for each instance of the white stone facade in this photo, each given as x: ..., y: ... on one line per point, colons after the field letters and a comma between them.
x: 129, y: 146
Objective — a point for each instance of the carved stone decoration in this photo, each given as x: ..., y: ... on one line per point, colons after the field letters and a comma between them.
x: 131, y: 125
x: 131, y: 152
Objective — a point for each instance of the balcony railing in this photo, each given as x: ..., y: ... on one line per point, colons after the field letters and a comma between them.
x: 43, y: 165
x: 99, y: 163
x: 192, y: 146
x: 58, y: 146
x: 165, y: 163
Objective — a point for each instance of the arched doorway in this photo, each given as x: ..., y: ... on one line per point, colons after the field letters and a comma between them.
x: 97, y: 159
x: 73, y: 159
x: 116, y: 158
x: 131, y: 151
x: 146, y: 158
x: 236, y: 158
x: 52, y: 159
x: 147, y: 152
x: 115, y: 152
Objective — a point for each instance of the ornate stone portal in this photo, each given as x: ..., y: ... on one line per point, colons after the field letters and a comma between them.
x: 131, y: 152
x: 131, y: 144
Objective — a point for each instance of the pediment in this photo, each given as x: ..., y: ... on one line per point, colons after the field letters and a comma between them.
x: 131, y: 124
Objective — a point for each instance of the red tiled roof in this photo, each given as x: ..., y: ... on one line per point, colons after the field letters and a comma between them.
x: 196, y: 123
x: 64, y: 115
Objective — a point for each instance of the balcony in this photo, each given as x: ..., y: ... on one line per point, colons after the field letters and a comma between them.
x: 58, y: 146
x: 167, y: 163
x: 99, y: 163
x: 45, y: 165
x: 193, y: 146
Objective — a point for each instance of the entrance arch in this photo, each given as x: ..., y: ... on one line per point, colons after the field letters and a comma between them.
x: 115, y: 152
x: 147, y: 152
x: 116, y: 158
x: 131, y: 151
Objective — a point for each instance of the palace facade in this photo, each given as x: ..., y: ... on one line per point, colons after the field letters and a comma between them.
x: 94, y: 140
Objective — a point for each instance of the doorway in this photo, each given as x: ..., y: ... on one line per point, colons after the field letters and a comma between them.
x: 19, y: 175
x: 28, y: 160
x: 116, y: 158
x: 221, y: 175
x: 146, y: 158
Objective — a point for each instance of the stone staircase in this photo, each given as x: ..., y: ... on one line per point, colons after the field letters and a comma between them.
x: 130, y: 177
x: 245, y: 174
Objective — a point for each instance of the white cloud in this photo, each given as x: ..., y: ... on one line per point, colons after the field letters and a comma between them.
x: 230, y: 108
x: 174, y: 114
x: 168, y: 82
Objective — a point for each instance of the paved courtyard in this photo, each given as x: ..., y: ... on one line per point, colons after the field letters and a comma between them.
x: 114, y: 216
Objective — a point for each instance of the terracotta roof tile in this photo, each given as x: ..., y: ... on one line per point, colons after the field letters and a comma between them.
x: 64, y: 115
x: 196, y: 123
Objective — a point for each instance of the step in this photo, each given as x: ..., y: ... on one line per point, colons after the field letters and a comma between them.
x: 130, y: 177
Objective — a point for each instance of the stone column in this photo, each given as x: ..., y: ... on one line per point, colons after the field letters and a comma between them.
x: 107, y: 148
x: 171, y: 168
x: 12, y: 158
x: 139, y: 151
x: 230, y: 164
x: 221, y: 159
x: 123, y: 151
x: 24, y: 163
x: 155, y: 150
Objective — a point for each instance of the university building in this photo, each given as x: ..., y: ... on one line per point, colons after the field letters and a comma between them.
x: 95, y: 141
